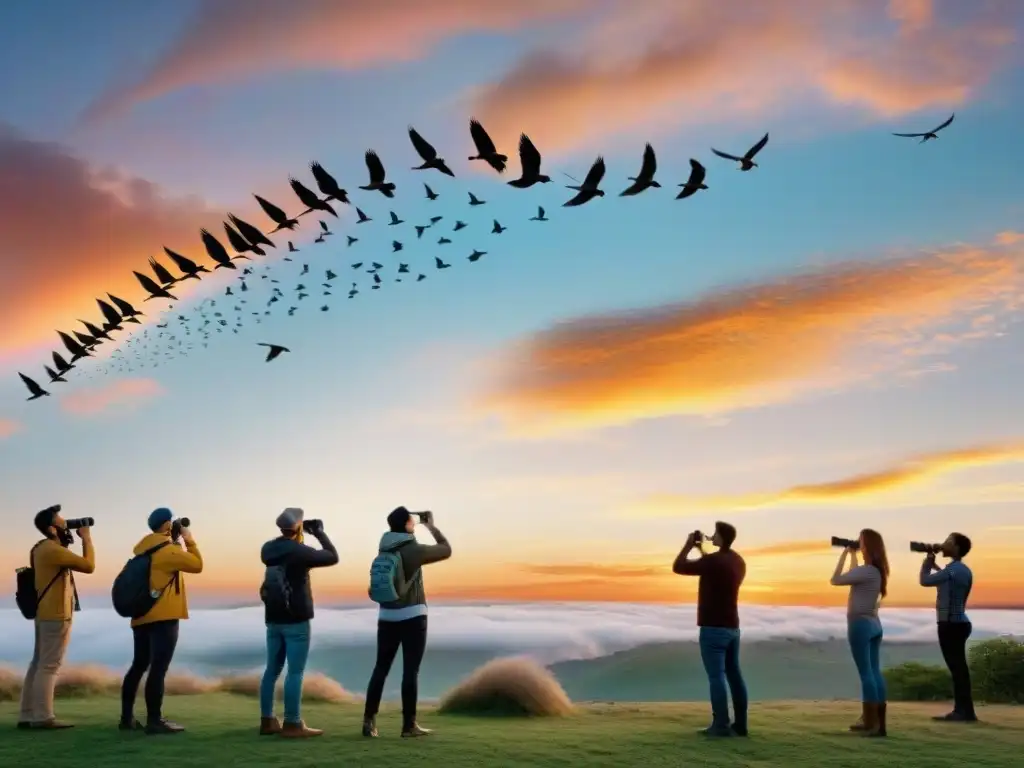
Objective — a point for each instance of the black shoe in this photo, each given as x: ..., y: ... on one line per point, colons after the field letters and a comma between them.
x: 957, y: 717
x: 414, y: 730
x: 129, y: 725
x: 370, y: 728
x: 716, y: 731
x: 162, y: 726
x: 738, y: 730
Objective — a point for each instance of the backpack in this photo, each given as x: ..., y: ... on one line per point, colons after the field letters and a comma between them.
x: 384, y: 578
x: 130, y: 593
x: 276, y: 590
x: 25, y: 594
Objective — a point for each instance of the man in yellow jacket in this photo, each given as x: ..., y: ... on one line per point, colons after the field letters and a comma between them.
x: 53, y: 563
x: 156, y: 633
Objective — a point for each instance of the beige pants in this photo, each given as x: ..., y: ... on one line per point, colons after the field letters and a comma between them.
x: 41, y: 678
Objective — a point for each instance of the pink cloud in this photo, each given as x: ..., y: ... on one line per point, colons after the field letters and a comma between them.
x: 126, y: 393
x: 8, y: 427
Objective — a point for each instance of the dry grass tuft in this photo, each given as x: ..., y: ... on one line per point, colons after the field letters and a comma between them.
x: 10, y: 684
x: 510, y: 686
x: 86, y: 680
x: 315, y: 687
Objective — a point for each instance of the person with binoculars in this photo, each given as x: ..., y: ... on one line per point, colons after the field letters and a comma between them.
x: 157, y: 587
x: 288, y: 608
x: 868, y: 584
x: 47, y: 594
x: 953, y: 585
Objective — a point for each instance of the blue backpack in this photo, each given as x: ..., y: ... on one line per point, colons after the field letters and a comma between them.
x: 386, y: 572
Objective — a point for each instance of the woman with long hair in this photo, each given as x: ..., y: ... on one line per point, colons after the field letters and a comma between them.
x: 868, y: 584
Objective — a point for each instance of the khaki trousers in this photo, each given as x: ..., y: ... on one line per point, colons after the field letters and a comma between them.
x: 41, y: 678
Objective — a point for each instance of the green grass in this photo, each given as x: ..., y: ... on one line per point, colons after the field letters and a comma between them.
x: 222, y: 732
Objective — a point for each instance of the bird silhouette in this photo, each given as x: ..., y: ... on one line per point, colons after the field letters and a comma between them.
x: 363, y: 218
x: 395, y: 221
x: 61, y: 364
x: 420, y: 229
x: 497, y: 229
x: 927, y: 135
x: 403, y: 269
x: 431, y: 194
x: 188, y: 268
x: 645, y: 179
x: 154, y: 290
x: 127, y: 310
x: 240, y: 244
x: 292, y: 248
x: 352, y: 240
x: 475, y: 255
x: 251, y: 233
x: 443, y: 241
x: 378, y: 176
x: 529, y: 159
x: 540, y: 215
x: 216, y: 251
x: 435, y: 219
x: 324, y: 228
x: 111, y: 316
x: 309, y: 199
x: 474, y: 200
x: 396, y: 246
x: 695, y: 182
x: 588, y: 190
x: 97, y: 333
x: 34, y: 389
x: 428, y: 154
x: 485, y: 149
x: 54, y: 376
x: 274, y: 349
x: 459, y: 225
x: 327, y: 184
x: 162, y: 274
x: 420, y: 277
x: 747, y: 161
x: 276, y: 215
x: 77, y: 350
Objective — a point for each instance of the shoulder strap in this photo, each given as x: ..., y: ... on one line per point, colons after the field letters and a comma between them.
x: 174, y: 578
x: 60, y: 572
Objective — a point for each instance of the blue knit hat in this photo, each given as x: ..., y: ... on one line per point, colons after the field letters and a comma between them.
x: 158, y: 517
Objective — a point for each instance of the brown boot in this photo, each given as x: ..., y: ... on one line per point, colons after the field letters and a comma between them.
x: 53, y: 724
x: 859, y: 725
x: 269, y: 726
x: 299, y: 730
x: 879, y: 729
x: 870, y: 719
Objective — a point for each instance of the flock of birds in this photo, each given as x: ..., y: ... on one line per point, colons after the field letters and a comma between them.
x: 248, y: 240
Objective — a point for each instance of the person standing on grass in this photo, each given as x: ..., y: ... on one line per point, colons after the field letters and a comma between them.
x: 396, y: 584
x: 868, y: 584
x: 721, y: 574
x: 288, y: 600
x: 954, y: 584
x: 155, y: 634
x: 56, y: 602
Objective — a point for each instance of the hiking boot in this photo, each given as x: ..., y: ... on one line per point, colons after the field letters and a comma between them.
x: 716, y: 731
x: 269, y: 726
x: 129, y: 725
x: 874, y: 722
x: 53, y: 724
x: 956, y: 716
x: 739, y: 730
x: 414, y: 730
x: 162, y: 726
x: 299, y: 730
x: 370, y: 728
x: 859, y: 725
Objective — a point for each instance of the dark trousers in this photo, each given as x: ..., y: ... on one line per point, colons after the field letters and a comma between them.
x: 411, y: 636
x: 154, y: 649
x: 953, y: 643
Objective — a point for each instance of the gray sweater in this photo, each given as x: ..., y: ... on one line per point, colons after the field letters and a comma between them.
x: 412, y: 601
x: 865, y: 583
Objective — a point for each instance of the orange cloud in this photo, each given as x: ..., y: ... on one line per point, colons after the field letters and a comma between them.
x: 789, y: 549
x: 8, y: 428
x: 267, y: 36
x: 70, y: 233
x: 123, y: 393
x: 1009, y: 237
x: 674, y: 63
x: 588, y: 570
x: 750, y: 346
x: 854, y: 488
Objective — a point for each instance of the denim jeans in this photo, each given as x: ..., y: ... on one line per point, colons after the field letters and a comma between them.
x: 720, y: 652
x: 865, y: 636
x: 285, y: 642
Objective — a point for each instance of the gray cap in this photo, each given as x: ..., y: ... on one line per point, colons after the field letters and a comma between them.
x: 289, y: 518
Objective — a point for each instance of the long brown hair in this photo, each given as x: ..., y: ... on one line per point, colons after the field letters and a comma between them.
x: 874, y: 554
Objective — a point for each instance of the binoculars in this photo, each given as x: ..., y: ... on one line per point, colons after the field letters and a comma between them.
x: 839, y: 541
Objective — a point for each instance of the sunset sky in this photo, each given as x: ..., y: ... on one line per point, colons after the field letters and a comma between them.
x: 826, y: 343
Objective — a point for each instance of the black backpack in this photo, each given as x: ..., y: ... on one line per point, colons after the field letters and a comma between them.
x: 131, y: 594
x: 25, y: 594
x: 276, y: 590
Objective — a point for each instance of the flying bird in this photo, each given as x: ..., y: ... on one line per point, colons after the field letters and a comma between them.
x: 443, y: 241
x: 324, y: 228
x: 166, y: 278
x: 529, y: 159
x: 309, y: 199
x: 250, y: 232
x: 932, y: 134
x: 645, y: 179
x: 588, y: 190
x: 352, y: 240
x: 497, y: 229
x: 154, y: 290
x: 327, y: 185
x: 475, y: 255
x: 292, y: 248
x: 747, y: 161
x: 275, y: 350
x: 240, y: 244
x: 97, y: 333
x: 459, y: 225
x: 485, y: 149
x: 34, y: 389
x: 189, y: 268
x: 695, y: 182
x: 420, y: 229
x: 111, y: 315
x: 77, y: 350
x: 474, y: 200
x: 440, y: 264
x: 61, y: 364
x: 129, y: 312
x: 429, y: 155
x: 276, y: 215
x: 395, y: 221
x: 216, y: 250
x: 431, y: 194
x: 378, y: 176
x: 396, y: 246
x: 540, y: 215
x: 54, y: 376
x: 363, y: 218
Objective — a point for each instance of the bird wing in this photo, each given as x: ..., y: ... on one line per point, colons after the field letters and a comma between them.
x: 214, y: 247
x: 248, y: 231
x: 910, y: 135
x: 33, y: 387
x: 727, y: 156
x: 540, y: 212
x: 375, y: 167
x: 161, y: 271
x: 936, y: 130
x: 423, y: 147
x: 109, y: 312
x: 757, y: 147
x: 437, y: 261
x: 146, y: 282
x: 238, y: 242
x: 324, y: 180
x: 277, y: 215
x: 529, y: 157
x: 697, y: 173
x: 305, y: 195
x: 595, y: 174
x: 483, y: 142
x: 183, y: 263
x: 649, y: 166
x: 580, y: 198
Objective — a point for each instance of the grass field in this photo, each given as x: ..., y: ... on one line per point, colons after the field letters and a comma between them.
x: 222, y: 732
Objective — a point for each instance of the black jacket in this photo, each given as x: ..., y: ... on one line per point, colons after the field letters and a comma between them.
x: 297, y: 559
